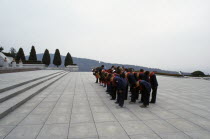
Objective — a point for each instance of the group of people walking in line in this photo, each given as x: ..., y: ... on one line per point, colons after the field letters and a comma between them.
x: 119, y: 81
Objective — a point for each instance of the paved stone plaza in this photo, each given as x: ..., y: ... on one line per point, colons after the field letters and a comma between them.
x: 77, y: 108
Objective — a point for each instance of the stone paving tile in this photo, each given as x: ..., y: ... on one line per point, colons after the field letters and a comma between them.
x: 81, y: 118
x: 136, y: 128
x: 150, y: 136
x: 110, y: 129
x: 35, y: 119
x: 184, y: 125
x: 12, y: 119
x: 115, y: 137
x: 4, y: 130
x: 161, y: 126
x: 178, y: 135
x: 54, y: 131
x: 146, y: 116
x: 202, y: 122
x: 164, y: 114
x: 41, y: 111
x: 24, y: 110
x: 81, y: 109
x: 199, y: 134
x: 58, y: 119
x: 82, y: 130
x: 103, y: 117
x: 24, y: 132
x: 63, y: 110
x: 47, y: 104
x: 125, y: 116
x: 99, y: 109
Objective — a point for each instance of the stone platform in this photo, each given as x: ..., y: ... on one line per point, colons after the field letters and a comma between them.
x: 75, y: 107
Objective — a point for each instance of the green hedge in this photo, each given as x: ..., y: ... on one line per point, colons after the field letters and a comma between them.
x: 7, y: 54
x: 32, y: 62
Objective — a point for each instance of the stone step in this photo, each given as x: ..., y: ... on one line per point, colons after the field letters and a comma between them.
x: 25, y: 82
x: 11, y: 104
x: 18, y: 90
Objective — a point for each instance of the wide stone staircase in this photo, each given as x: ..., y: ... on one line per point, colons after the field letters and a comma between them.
x: 14, y: 95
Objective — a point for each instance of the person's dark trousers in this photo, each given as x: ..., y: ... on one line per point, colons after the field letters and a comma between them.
x: 108, y: 88
x: 141, y: 96
x: 114, y: 93
x: 154, y: 93
x: 126, y: 93
x: 133, y: 94
x: 96, y: 80
x: 146, y: 96
x: 120, y: 97
x: 137, y: 94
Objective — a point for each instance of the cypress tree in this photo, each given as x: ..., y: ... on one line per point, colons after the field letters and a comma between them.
x: 1, y: 49
x: 68, y: 60
x: 46, y: 58
x: 20, y: 55
x: 57, y: 58
x: 198, y: 73
x: 13, y: 52
x: 33, y: 54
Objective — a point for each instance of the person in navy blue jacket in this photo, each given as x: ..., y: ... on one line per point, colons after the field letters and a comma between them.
x: 145, y: 88
x: 154, y: 84
x: 132, y: 81
x: 146, y: 76
x: 141, y: 77
x: 121, y: 87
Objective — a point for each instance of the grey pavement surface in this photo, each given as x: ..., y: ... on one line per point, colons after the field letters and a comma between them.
x: 9, y: 79
x: 77, y: 108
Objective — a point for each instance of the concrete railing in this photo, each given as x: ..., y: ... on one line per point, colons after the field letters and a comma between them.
x: 41, y: 66
x: 71, y: 68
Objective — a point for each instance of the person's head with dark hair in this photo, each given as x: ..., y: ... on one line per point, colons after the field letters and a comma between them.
x: 141, y: 70
x: 147, y: 73
x: 102, y: 66
x: 130, y: 70
x: 123, y: 75
x: 119, y: 70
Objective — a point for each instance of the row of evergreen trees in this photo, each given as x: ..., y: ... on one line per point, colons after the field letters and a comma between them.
x: 46, y: 57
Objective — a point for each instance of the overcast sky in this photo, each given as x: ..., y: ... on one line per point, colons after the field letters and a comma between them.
x: 166, y: 34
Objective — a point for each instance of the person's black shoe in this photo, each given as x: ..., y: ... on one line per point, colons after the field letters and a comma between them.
x: 143, y: 106
x: 131, y: 102
x: 151, y: 102
x: 116, y: 102
x: 112, y: 99
x: 140, y: 102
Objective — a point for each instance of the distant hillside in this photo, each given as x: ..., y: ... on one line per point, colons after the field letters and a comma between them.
x: 87, y: 64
